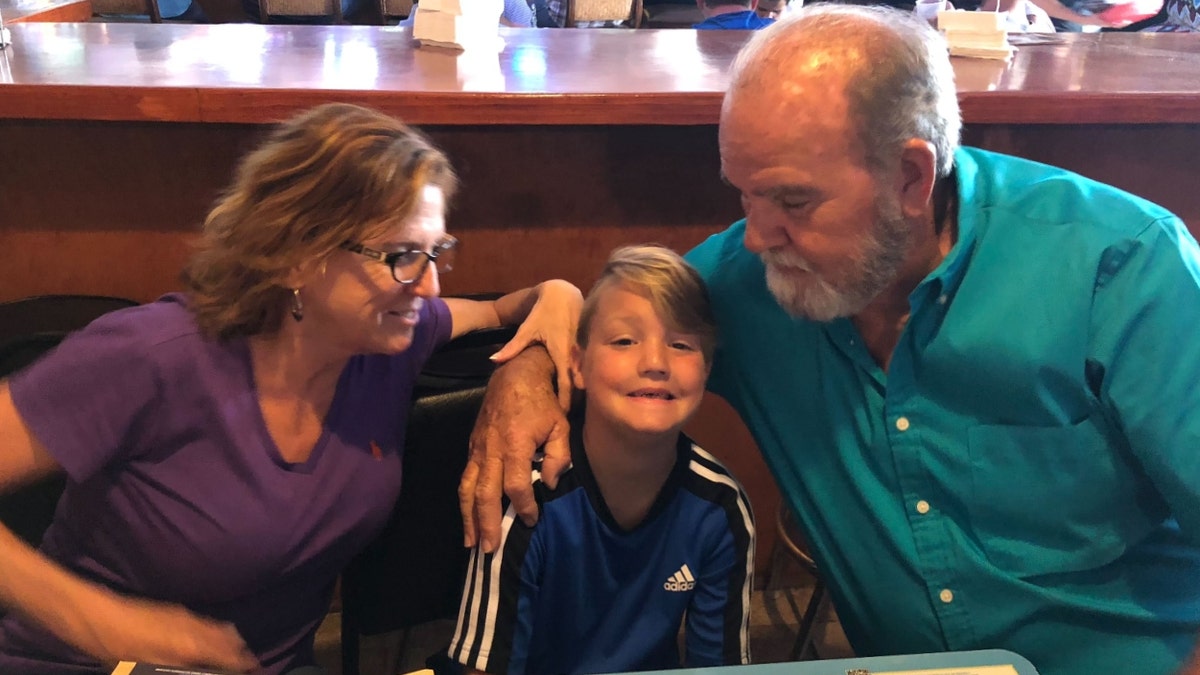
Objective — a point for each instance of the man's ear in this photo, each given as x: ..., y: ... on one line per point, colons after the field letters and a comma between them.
x: 918, y: 173
x: 577, y: 367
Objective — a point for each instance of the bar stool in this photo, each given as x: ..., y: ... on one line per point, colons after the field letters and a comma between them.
x: 587, y: 11
x: 272, y: 9
x: 791, y: 543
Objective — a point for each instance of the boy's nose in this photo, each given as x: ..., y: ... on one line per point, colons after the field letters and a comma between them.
x: 654, y: 357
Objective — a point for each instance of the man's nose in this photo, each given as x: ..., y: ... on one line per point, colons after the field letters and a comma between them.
x: 765, y: 229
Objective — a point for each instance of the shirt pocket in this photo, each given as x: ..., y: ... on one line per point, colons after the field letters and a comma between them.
x: 1054, y: 499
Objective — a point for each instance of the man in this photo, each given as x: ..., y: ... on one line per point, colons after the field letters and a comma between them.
x: 973, y: 377
x: 731, y: 15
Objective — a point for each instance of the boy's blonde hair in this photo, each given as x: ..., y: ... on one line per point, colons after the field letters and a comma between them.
x: 673, y: 287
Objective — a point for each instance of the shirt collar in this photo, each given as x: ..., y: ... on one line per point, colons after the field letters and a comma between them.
x: 948, y: 274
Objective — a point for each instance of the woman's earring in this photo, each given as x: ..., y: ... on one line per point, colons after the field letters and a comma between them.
x: 297, y: 305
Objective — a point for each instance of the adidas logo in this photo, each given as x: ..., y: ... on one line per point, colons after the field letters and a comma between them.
x: 681, y: 580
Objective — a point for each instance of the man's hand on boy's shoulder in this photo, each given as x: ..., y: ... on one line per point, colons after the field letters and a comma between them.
x: 520, y: 413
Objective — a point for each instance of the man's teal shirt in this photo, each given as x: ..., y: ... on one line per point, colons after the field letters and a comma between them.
x: 1026, y: 475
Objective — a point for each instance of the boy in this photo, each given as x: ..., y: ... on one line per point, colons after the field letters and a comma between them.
x: 772, y: 9
x: 645, y: 527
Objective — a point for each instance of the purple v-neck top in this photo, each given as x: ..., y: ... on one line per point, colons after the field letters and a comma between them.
x: 177, y: 492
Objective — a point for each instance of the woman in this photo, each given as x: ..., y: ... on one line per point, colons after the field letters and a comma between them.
x: 229, y: 449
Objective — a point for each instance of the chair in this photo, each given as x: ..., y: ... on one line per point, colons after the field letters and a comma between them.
x: 580, y: 11
x: 389, y: 9
x: 58, y: 314
x: 269, y: 9
x: 791, y: 543
x: 29, y: 328
x: 149, y: 7
x: 412, y: 573
x: 673, y: 16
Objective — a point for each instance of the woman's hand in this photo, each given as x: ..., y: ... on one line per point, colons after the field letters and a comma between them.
x: 118, y: 628
x: 551, y: 322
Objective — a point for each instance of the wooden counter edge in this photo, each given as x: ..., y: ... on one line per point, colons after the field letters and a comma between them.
x: 262, y: 106
x: 116, y: 104
x: 471, y: 108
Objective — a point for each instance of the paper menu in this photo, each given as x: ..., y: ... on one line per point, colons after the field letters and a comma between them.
x: 972, y: 670
x: 133, y: 668
x: 459, y: 23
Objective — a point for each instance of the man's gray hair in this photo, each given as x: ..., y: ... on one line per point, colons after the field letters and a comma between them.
x: 900, y: 84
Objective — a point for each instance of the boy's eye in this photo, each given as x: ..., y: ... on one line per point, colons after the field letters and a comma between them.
x: 621, y: 342
x: 792, y: 204
x: 683, y: 346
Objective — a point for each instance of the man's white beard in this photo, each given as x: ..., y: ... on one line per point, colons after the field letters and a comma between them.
x: 805, y: 294
x: 801, y: 292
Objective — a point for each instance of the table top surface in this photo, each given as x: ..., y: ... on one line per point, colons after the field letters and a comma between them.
x: 257, y: 73
x: 17, y: 11
x: 963, y: 662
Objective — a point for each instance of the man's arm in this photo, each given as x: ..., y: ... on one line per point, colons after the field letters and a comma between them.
x: 1146, y: 361
x: 520, y: 412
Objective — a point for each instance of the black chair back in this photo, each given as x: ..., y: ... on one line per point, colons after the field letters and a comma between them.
x: 413, y: 572
x: 29, y: 328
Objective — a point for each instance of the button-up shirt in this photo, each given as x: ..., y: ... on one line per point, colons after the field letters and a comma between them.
x: 1026, y: 474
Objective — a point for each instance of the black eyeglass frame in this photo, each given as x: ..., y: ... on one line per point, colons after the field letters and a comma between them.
x: 446, y: 244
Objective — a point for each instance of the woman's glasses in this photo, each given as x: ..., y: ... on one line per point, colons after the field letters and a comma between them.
x: 408, y: 264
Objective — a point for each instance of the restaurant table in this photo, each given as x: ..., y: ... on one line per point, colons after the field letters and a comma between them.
x: 944, y: 663
x: 18, y: 11
x: 116, y: 138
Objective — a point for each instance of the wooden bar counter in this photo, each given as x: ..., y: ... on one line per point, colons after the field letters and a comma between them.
x: 115, y: 139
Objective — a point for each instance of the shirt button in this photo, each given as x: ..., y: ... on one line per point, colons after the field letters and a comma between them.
x: 902, y: 424
x: 922, y: 507
x: 941, y: 299
x: 946, y: 596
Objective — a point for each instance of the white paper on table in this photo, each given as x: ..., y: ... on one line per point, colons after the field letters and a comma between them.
x: 463, y: 30
x: 970, y: 670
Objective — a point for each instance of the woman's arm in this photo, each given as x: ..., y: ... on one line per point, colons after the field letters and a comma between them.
x: 548, y: 314
x: 1054, y: 9
x: 511, y: 309
x: 88, y: 616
